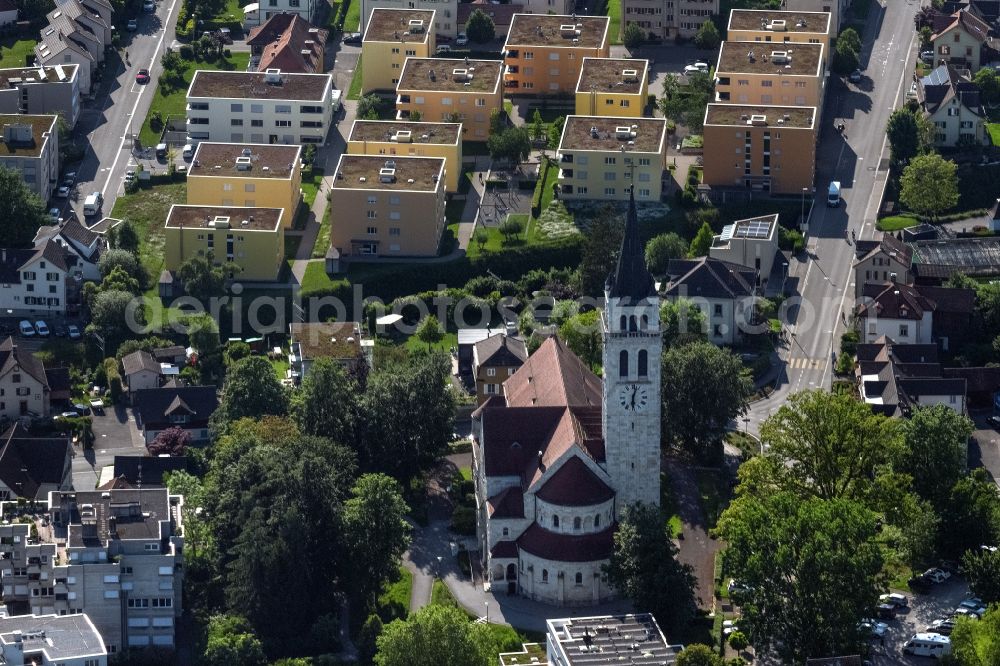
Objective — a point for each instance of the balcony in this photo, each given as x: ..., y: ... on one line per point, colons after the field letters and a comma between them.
x: 402, y: 99
x: 512, y: 53
x: 566, y: 159
x: 511, y: 83
x: 565, y: 173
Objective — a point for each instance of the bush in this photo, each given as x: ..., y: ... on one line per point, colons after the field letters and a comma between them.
x: 113, y: 377
x: 849, y: 342
x: 845, y: 364
x: 463, y: 521
x: 187, y: 52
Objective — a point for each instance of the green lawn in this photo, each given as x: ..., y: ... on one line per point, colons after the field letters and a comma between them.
x: 353, y: 18
x: 311, y: 180
x: 315, y: 277
x: 442, y: 596
x: 280, y: 367
x: 230, y: 12
x: 466, y: 473
x: 354, y: 92
x: 174, y: 102
x: 614, y: 10
x: 447, y: 342
x: 395, y: 600
x: 322, y: 237
x: 14, y: 51
x: 897, y: 222
x: 551, y: 176
x: 899, y: 576
x: 994, y: 130
x: 495, y: 241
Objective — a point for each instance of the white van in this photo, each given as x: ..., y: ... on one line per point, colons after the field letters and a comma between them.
x: 188, y: 152
x: 92, y: 204
x: 928, y: 645
x: 335, y: 99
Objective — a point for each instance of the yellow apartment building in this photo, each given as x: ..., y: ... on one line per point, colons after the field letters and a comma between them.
x: 452, y: 91
x: 544, y: 52
x: 392, y: 36
x: 397, y: 137
x: 612, y: 87
x: 387, y: 207
x: 252, y: 239
x: 755, y: 74
x: 762, y: 148
x: 780, y: 27
x: 251, y: 175
x: 600, y: 158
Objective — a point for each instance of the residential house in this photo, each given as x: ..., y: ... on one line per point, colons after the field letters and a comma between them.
x: 114, y: 555
x: 780, y: 27
x: 451, y: 90
x: 446, y: 22
x: 51, y: 640
x: 288, y: 42
x: 164, y: 407
x: 564, y: 636
x: 91, y: 16
x: 258, y: 13
x: 392, y: 36
x: 616, y: 87
x: 31, y: 467
x: 761, y: 74
x: 31, y: 147
x: 894, y: 378
x: 140, y: 471
x: 344, y: 342
x: 494, y: 360
x: 544, y: 53
x: 916, y: 314
x: 764, y: 148
x: 250, y: 241
x: 36, y: 281
x: 467, y: 340
x: 752, y: 243
x: 259, y: 107
x: 723, y: 291
x: 501, y: 15
x: 78, y: 32
x: 8, y: 12
x: 668, y: 19
x: 41, y: 91
x: 141, y: 371
x: 952, y: 103
x: 411, y: 139
x: 403, y: 202
x: 174, y: 354
x: 838, y: 10
x: 881, y: 261
x: 603, y: 158
x: 246, y: 175
x: 966, y: 42
x: 81, y: 248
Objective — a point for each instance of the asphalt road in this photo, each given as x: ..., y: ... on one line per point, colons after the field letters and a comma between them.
x: 858, y: 158
x: 923, y: 609
x: 119, y: 107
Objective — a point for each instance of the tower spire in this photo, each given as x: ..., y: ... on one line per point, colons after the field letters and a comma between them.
x: 631, y: 280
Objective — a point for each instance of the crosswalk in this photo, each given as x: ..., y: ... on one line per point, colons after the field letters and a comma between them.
x: 803, y: 362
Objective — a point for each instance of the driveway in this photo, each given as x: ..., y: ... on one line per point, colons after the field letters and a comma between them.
x: 985, y: 449
x: 924, y: 609
x: 114, y: 434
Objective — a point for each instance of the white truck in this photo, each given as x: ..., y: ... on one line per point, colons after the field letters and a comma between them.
x: 335, y: 99
x: 833, y: 194
x: 92, y: 204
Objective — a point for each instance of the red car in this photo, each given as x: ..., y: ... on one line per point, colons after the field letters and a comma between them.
x: 142, y: 76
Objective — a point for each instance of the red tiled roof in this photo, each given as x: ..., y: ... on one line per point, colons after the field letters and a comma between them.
x: 553, y: 375
x: 895, y: 301
x: 574, y: 484
x: 508, y: 503
x: 283, y: 38
x: 567, y: 547
x: 504, y: 549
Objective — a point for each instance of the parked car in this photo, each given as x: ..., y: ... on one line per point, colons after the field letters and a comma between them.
x: 696, y: 68
x: 54, y: 214
x: 132, y: 25
x: 895, y: 598
x: 73, y: 331
x: 994, y: 422
x: 149, y: 6
x: 69, y: 178
x: 967, y: 612
x: 937, y: 575
x: 142, y: 76
x: 161, y: 150
x: 352, y: 39
x: 462, y: 39
x: 876, y: 628
x: 855, y: 76
x: 442, y: 48
x: 26, y: 329
x: 943, y: 626
x: 42, y: 328
x: 62, y: 192
x: 59, y: 331
x: 886, y: 611
x: 927, y: 56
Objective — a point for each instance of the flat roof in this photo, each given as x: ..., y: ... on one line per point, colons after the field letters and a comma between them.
x: 399, y: 25
x: 759, y: 58
x: 252, y: 85
x: 531, y: 654
x: 601, y: 133
x: 752, y: 228
x: 607, y: 74
x: 420, y: 132
x: 364, y: 172
x: 138, y: 514
x: 339, y: 340
x: 739, y: 115
x: 266, y: 160
x: 58, y: 637
x: 634, y: 639
x: 546, y: 30
x: 763, y: 19
x: 47, y: 74
x: 438, y: 74
x: 223, y: 218
x: 39, y: 126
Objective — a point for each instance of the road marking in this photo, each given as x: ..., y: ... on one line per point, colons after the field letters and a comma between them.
x: 138, y: 98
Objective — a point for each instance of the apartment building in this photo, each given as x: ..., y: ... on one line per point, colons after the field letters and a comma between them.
x: 446, y: 22
x: 51, y: 640
x: 41, y: 90
x: 248, y: 175
x: 78, y: 33
x: 601, y: 158
x: 451, y: 91
x: 115, y: 555
x: 549, y: 6
x: 396, y: 137
x: 770, y: 149
x: 259, y: 107
x: 36, y: 281
x: 251, y: 240
x: 764, y: 74
x: 565, y: 636
x: 668, y: 19
x: 544, y: 52
x: 780, y: 27
x: 31, y: 147
x: 612, y: 87
x: 392, y: 36
x: 836, y: 8
x: 403, y: 203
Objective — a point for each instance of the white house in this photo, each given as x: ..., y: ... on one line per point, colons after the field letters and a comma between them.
x: 257, y: 13
x: 24, y: 388
x: 142, y: 371
x: 952, y: 103
x: 898, y: 311
x: 34, y: 281
x: 259, y: 107
x: 81, y: 247
x: 721, y: 290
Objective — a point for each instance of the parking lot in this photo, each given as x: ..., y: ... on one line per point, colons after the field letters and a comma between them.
x: 939, y: 603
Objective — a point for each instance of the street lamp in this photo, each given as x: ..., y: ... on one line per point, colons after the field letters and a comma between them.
x: 802, y: 216
x: 784, y: 278
x: 487, y: 611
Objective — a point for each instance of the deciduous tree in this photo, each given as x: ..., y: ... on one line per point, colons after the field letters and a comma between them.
x: 512, y: 144
x: 252, y: 390
x: 971, y: 517
x: 108, y: 317
x: 661, y: 249
x: 435, y: 636
x: 23, y: 210
x: 376, y: 534
x: 429, y: 331
x: 118, y: 258
x: 935, y: 453
x: 633, y: 35
x: 479, y: 28
x: 698, y: 655
x: 702, y: 241
x: 231, y: 640
x: 327, y: 402
x: 708, y: 36
x: 977, y: 642
x: 582, y: 334
x: 172, y: 441
x: 904, y: 135
x: 681, y: 322
x: 982, y: 569
x: 202, y: 278
x: 600, y: 253
x: 929, y: 185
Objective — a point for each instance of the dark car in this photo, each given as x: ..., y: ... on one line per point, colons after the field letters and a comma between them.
x: 142, y: 76
x: 886, y: 611
x: 994, y: 422
x: 920, y: 584
x: 855, y: 76
x: 352, y: 38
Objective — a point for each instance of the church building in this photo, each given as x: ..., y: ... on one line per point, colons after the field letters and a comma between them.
x: 559, y: 453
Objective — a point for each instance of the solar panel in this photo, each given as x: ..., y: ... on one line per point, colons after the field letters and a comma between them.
x: 755, y: 229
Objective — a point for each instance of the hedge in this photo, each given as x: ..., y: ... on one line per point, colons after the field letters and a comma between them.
x: 536, y: 200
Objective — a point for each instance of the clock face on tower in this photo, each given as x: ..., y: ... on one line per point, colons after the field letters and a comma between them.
x: 633, y: 397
